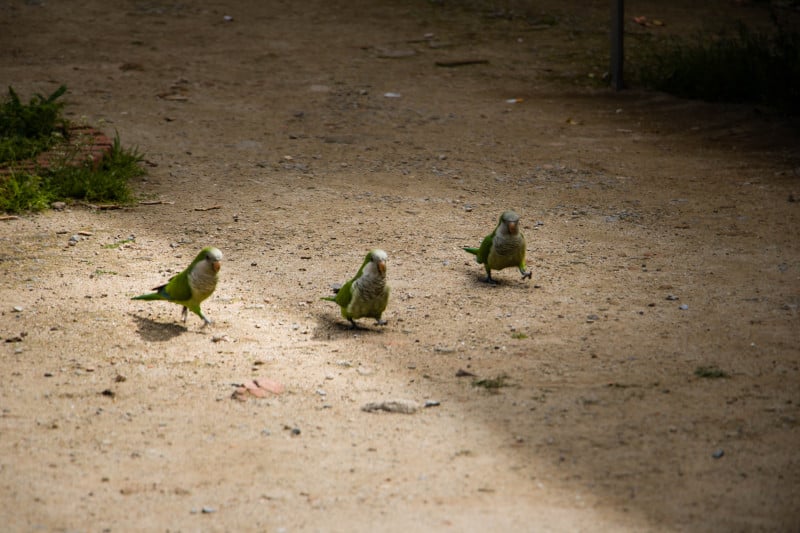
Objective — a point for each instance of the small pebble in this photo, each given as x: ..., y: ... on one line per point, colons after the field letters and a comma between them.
x: 671, y: 298
x: 683, y: 307
x: 17, y: 308
x: 718, y: 453
x: 208, y: 510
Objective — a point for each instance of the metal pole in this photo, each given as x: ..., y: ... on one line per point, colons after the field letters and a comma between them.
x: 617, y: 55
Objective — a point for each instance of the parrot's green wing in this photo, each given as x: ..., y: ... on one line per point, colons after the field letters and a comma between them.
x: 486, y: 245
x: 482, y: 253
x: 177, y: 288
x: 345, y: 294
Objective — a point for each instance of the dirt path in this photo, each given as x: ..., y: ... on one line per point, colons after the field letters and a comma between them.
x: 295, y: 137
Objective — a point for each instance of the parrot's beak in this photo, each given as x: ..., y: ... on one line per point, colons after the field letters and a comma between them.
x: 382, y: 267
x: 215, y: 265
x: 512, y: 228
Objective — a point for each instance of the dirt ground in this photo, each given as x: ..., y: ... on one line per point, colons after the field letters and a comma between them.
x: 295, y: 136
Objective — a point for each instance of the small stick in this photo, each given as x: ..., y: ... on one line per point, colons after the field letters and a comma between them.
x: 9, y: 217
x: 208, y: 208
x: 156, y: 202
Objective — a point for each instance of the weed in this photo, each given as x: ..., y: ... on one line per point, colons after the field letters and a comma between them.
x: 29, y: 129
x: 26, y: 130
x: 23, y: 191
x: 735, y: 66
x: 119, y: 243
x: 519, y: 335
x: 106, y: 182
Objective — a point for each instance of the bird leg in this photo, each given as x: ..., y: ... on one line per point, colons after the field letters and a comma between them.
x: 525, y: 274
x: 184, y: 314
x: 489, y: 278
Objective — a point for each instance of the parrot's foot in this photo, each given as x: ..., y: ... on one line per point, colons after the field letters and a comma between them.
x: 380, y: 322
x: 353, y: 324
x: 207, y: 322
x: 527, y: 274
x: 489, y: 280
x: 184, y: 314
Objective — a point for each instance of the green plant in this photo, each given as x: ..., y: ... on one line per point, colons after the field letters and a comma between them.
x: 28, y: 129
x: 119, y: 243
x: 23, y: 191
x: 105, y: 182
x: 734, y: 66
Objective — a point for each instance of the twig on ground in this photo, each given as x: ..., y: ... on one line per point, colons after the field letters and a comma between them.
x: 155, y: 202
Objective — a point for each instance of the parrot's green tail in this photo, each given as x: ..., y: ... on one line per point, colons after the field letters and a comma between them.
x: 473, y: 251
x: 150, y: 296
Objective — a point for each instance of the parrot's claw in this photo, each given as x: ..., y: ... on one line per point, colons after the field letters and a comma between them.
x: 380, y: 322
x: 490, y: 281
x: 527, y: 274
x: 184, y: 314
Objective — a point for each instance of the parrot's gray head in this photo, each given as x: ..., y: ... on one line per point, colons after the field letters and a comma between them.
x: 510, y: 222
x: 213, y: 257
x: 377, y: 261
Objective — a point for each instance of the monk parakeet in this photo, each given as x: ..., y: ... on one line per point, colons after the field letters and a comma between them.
x: 367, y: 293
x: 192, y: 286
x: 505, y: 247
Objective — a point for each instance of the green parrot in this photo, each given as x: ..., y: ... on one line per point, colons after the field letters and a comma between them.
x: 367, y: 293
x: 504, y: 248
x: 192, y: 286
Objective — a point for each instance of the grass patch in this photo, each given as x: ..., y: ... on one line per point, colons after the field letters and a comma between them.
x: 739, y: 65
x: 106, y: 182
x: 518, y: 335
x: 27, y: 130
x: 709, y: 372
x: 23, y: 192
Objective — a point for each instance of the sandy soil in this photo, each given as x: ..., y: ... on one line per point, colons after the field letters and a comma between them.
x: 271, y: 136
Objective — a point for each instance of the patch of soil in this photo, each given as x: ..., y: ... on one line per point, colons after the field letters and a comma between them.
x: 298, y: 136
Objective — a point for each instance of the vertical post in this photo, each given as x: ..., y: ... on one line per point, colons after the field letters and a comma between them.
x: 617, y: 55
